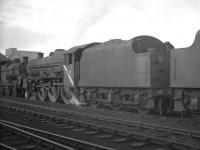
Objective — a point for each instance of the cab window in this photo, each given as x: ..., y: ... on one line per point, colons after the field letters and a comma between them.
x: 68, y: 59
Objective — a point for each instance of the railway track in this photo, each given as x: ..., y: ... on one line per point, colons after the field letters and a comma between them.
x: 30, y: 138
x: 13, y: 138
x: 135, y: 134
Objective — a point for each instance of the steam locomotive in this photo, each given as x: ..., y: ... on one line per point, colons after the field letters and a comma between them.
x: 142, y: 72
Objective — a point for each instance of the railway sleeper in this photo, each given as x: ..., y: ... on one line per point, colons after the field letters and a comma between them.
x: 137, y: 144
x: 91, y: 132
x: 105, y: 136
x: 79, y: 129
x: 16, y: 142
x: 9, y: 137
x: 69, y: 127
x: 122, y: 139
x: 60, y: 125
x: 27, y: 146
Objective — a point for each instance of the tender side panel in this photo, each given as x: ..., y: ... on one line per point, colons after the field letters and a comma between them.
x: 114, y: 65
x: 160, y: 69
x: 185, y: 64
x: 185, y: 70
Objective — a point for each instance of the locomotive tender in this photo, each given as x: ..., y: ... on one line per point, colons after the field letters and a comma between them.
x: 142, y: 72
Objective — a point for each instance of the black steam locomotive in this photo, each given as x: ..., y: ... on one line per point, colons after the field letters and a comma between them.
x: 143, y: 72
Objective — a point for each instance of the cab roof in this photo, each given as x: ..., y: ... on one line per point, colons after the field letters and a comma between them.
x: 81, y: 47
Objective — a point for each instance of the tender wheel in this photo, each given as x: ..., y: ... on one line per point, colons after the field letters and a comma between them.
x: 10, y: 91
x: 1, y: 90
x: 162, y: 107
x: 53, y: 93
x: 14, y: 91
x: 190, y: 101
x: 144, y: 105
x: 7, y: 91
x: 42, y: 93
x: 33, y: 95
x: 186, y: 101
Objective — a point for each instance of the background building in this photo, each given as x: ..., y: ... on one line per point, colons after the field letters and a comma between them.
x: 13, y: 53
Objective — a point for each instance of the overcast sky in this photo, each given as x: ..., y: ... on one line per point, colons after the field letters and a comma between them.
x: 45, y: 25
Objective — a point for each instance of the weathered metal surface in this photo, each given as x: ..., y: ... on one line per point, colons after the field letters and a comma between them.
x: 81, y: 47
x: 185, y: 65
x: 47, y: 65
x: 120, y: 63
x: 160, y: 70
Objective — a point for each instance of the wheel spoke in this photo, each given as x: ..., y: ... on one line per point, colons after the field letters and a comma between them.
x: 143, y: 106
x: 42, y: 93
x: 54, y: 93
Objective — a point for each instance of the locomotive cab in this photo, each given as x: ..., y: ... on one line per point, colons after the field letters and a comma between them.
x: 68, y: 66
x: 70, y: 80
x: 71, y: 73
